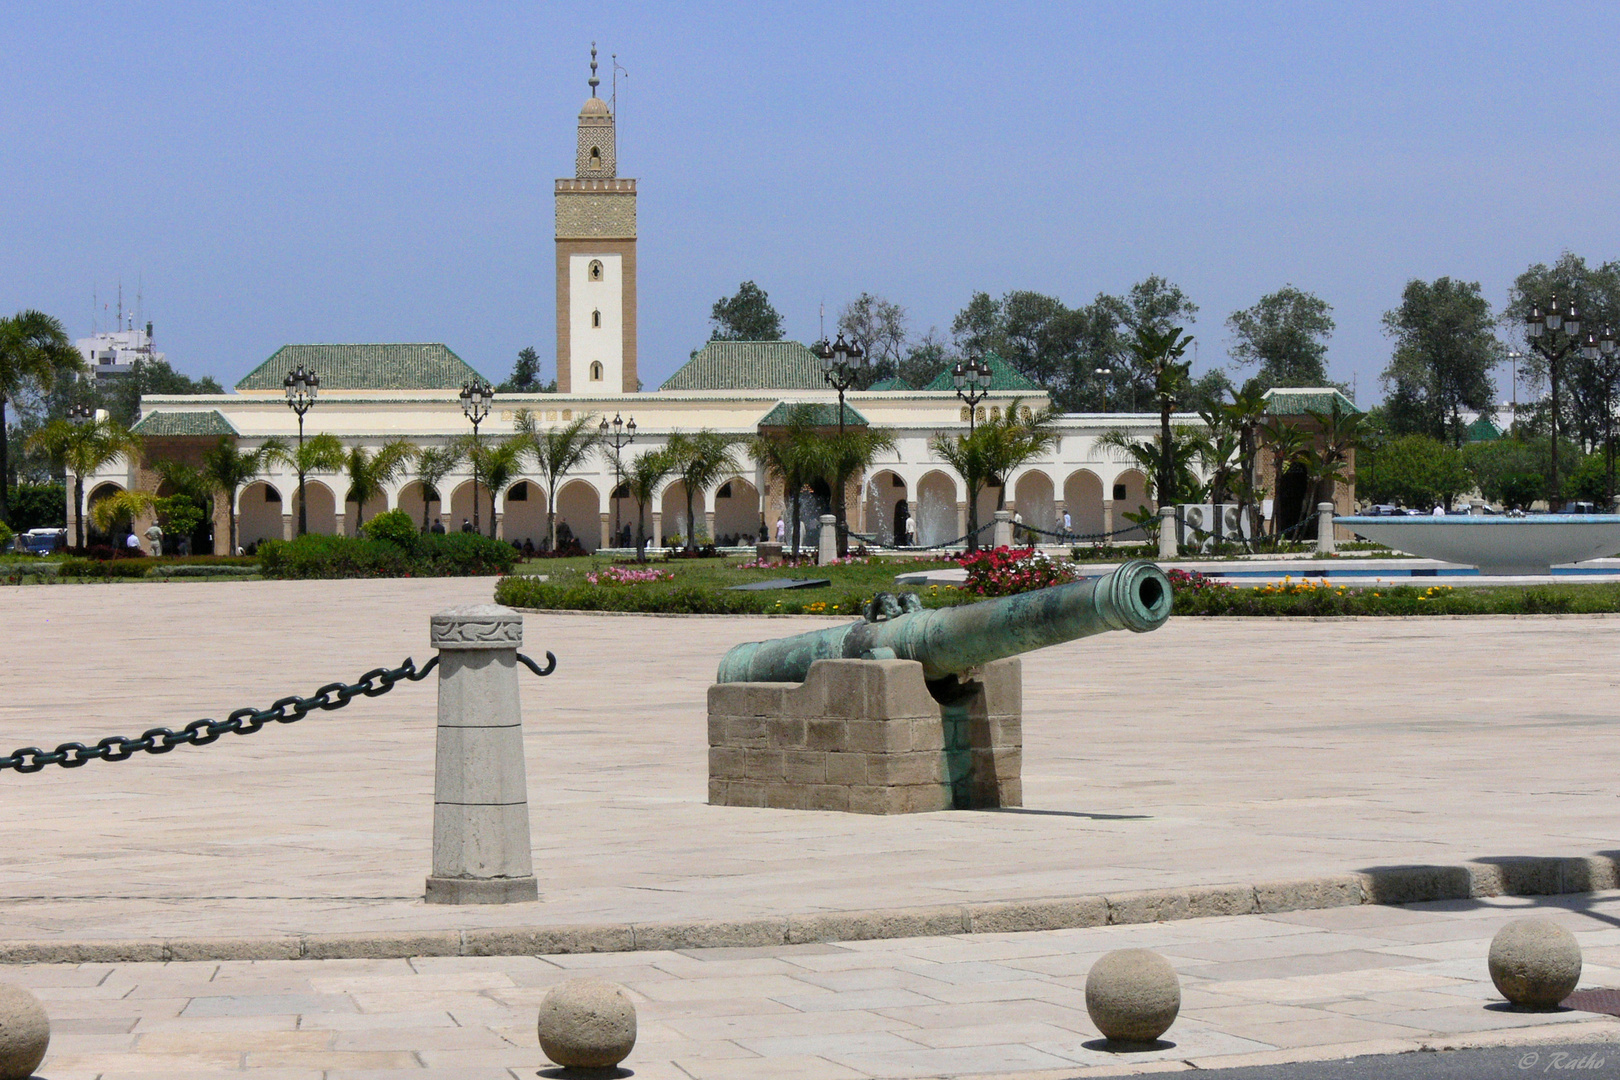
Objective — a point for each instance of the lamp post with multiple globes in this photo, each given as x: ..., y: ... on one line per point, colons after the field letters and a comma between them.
x: 841, y: 365
x: 301, y: 385
x: 476, y: 397
x: 618, y: 435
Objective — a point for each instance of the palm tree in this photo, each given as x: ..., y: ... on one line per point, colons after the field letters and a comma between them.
x: 82, y: 449
x: 121, y: 506
x: 557, y: 451
x: 1289, y: 442
x: 499, y: 462
x: 851, y: 453
x: 371, y: 471
x: 186, y: 506
x: 323, y: 453
x: 34, y: 348
x: 795, y: 455
x: 643, y: 478
x: 1016, y: 436
x: 433, y: 464
x: 970, y: 457
x: 1160, y: 352
x: 701, y: 458
x: 226, y: 469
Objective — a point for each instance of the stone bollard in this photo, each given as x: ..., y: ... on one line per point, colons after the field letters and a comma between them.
x: 480, y: 794
x: 828, y: 551
x: 1002, y: 534
x: 588, y: 1026
x: 1168, y: 548
x: 1324, y: 528
x: 1535, y: 963
x: 25, y: 1033
x: 1133, y: 995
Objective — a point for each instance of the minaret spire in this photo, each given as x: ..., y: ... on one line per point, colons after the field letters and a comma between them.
x: 594, y: 81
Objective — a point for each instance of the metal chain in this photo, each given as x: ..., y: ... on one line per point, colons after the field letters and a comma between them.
x: 160, y: 740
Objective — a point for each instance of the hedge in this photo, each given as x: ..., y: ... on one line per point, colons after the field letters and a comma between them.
x: 429, y: 555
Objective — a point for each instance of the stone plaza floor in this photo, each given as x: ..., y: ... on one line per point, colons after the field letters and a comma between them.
x: 1209, y: 752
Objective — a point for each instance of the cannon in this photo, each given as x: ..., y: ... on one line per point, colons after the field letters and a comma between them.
x: 950, y: 641
x: 907, y: 710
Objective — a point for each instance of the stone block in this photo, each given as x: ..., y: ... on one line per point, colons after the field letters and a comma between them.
x: 727, y: 763
x: 547, y: 940
x: 481, y: 841
x: 785, y: 732
x: 824, y: 734
x: 872, y: 925
x: 1416, y: 884
x: 846, y: 769
x: 746, y: 732
x: 1309, y: 893
x: 927, y: 733
x: 926, y: 798
x: 829, y: 797
x: 881, y: 736
x: 717, y: 791
x: 804, y: 766
x: 1019, y: 916
x: 745, y: 793
x: 765, y: 765
x: 782, y: 796
x: 868, y: 799
x: 711, y: 934
x: 905, y: 769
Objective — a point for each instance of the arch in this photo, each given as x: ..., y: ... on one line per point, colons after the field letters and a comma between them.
x: 377, y: 504
x: 671, y: 503
x: 736, y: 509
x: 1035, y: 502
x: 937, y: 495
x: 596, y: 319
x: 596, y: 371
x: 596, y: 157
x: 258, y: 514
x: 1083, y: 499
x: 1135, y: 497
x: 103, y: 490
x: 887, y: 507
x: 321, y: 516
x: 411, y: 500
x: 596, y: 270
x: 579, y: 506
x: 523, y: 513
x: 461, y: 508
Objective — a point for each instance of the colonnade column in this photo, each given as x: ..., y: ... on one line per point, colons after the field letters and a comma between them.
x: 607, y: 527
x: 1108, y: 515
x: 658, y: 528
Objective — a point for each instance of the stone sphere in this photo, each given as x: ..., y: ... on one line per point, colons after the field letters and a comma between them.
x: 1133, y: 995
x: 1535, y: 962
x: 587, y: 1024
x: 25, y: 1032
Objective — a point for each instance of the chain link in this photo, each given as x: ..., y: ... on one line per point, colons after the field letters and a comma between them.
x: 287, y: 710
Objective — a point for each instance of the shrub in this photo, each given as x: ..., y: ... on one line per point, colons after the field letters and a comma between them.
x: 394, y: 526
x: 1003, y: 571
x: 433, y: 555
x: 6, y: 536
x: 104, y: 568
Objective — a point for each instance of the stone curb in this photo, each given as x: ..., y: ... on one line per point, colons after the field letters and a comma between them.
x: 1526, y: 876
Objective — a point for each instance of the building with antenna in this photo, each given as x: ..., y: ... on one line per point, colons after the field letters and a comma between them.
x: 111, y: 354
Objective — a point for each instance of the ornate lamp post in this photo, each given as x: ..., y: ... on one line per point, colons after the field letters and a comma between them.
x: 302, y: 386
x: 1514, y: 356
x: 1592, y: 348
x: 972, y: 385
x: 78, y: 416
x: 476, y: 397
x: 1554, y: 333
x: 841, y: 363
x: 617, y: 435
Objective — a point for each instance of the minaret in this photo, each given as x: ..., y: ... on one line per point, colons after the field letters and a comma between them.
x: 596, y: 261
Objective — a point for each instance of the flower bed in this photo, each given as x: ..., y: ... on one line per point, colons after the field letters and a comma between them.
x: 1004, y: 571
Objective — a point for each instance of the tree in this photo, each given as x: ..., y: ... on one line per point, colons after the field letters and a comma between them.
x: 433, y: 464
x: 525, y: 378
x: 1016, y: 436
x: 793, y: 454
x: 1414, y: 470
x: 1444, y: 352
x: 925, y: 359
x: 878, y: 326
x: 557, y: 451
x: 851, y: 453
x: 1289, y: 443
x: 1327, y: 459
x: 34, y: 348
x: 228, y: 468
x: 646, y: 472
x: 123, y: 398
x: 702, y: 459
x: 82, y: 449
x: 121, y: 506
x: 969, y: 457
x: 1160, y: 351
x: 500, y: 461
x: 747, y: 316
x: 323, y: 453
x: 370, y: 471
x: 1286, y: 334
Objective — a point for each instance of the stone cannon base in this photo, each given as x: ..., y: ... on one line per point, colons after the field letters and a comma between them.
x: 867, y: 737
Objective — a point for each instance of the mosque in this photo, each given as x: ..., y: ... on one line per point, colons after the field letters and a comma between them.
x: 371, y: 394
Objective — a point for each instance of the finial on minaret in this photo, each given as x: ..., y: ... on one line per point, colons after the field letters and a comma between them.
x: 594, y: 81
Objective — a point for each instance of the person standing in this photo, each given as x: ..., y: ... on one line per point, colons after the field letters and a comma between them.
x: 781, y: 531
x: 911, y: 530
x: 1068, y: 525
x: 154, y: 537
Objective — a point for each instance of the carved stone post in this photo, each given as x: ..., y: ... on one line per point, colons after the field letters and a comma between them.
x: 1324, y: 529
x: 1002, y: 534
x: 480, y: 793
x: 828, y: 552
x: 1168, y: 548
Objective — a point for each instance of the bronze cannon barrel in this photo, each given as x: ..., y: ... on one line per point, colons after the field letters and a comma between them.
x: 949, y: 641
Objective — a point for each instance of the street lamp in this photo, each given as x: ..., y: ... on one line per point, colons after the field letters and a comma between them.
x: 1593, y: 347
x: 78, y: 415
x: 476, y: 397
x: 617, y: 435
x: 841, y: 365
x: 1554, y: 333
x: 972, y: 382
x: 1514, y: 356
x: 1103, y: 372
x: 302, y: 386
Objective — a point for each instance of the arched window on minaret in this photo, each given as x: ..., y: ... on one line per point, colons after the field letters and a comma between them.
x: 596, y: 157
x: 596, y: 319
x: 596, y: 371
x: 596, y: 269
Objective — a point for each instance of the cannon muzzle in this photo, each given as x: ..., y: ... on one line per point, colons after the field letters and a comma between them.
x: 950, y: 641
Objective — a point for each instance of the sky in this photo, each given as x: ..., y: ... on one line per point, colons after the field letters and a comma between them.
x: 349, y: 172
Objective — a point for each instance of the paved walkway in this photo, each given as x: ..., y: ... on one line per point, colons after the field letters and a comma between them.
x: 1210, y: 751
x: 1255, y: 989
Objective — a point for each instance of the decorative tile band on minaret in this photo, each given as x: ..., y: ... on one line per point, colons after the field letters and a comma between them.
x: 596, y: 261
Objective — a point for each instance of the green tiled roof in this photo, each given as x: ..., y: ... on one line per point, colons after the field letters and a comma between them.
x: 1483, y: 430
x: 749, y: 365
x: 1292, y: 401
x: 1003, y: 376
x: 365, y: 367
x: 818, y: 413
x: 894, y: 382
x: 200, y: 422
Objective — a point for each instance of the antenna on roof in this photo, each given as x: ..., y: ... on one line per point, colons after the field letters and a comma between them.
x: 823, y: 317
x: 616, y: 69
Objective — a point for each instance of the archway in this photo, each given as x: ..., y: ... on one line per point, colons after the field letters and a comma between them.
x: 1034, y: 502
x: 461, y: 508
x: 937, y: 494
x: 523, y: 513
x: 321, y: 518
x: 736, y: 510
x: 258, y: 514
x: 352, y: 521
x: 887, y: 508
x: 1130, y: 496
x: 411, y: 501
x: 93, y: 535
x: 672, y: 505
x: 579, y: 507
x: 1289, y: 505
x: 1083, y: 501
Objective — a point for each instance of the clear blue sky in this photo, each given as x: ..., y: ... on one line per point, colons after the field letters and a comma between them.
x: 331, y: 171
